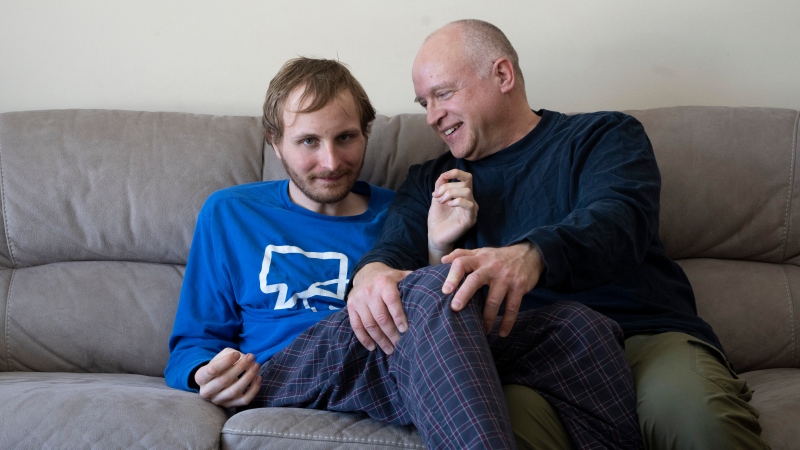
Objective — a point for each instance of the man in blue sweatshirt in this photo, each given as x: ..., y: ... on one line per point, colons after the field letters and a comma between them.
x: 569, y: 211
x: 262, y: 320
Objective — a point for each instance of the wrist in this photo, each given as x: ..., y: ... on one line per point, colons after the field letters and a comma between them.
x: 436, y: 252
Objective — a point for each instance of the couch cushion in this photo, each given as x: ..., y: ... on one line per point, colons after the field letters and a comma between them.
x: 55, y: 410
x: 88, y: 316
x: 282, y: 428
x: 395, y: 144
x: 776, y: 394
x: 751, y: 307
x: 115, y: 185
x: 729, y: 181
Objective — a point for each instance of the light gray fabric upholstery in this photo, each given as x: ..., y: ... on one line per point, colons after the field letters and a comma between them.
x: 280, y: 429
x: 98, y: 209
x: 91, y: 410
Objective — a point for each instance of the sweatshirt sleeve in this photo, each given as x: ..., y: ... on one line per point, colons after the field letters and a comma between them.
x: 614, y: 191
x: 207, y: 320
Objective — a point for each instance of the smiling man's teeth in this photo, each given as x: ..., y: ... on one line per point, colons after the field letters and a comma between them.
x: 450, y: 131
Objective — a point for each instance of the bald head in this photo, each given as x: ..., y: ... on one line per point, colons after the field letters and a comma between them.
x: 482, y: 45
x: 466, y: 76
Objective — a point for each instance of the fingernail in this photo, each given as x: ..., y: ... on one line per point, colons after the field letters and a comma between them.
x: 446, y: 288
x: 402, y: 327
x: 456, y: 306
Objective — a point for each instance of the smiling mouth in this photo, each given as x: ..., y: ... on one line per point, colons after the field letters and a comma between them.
x: 450, y: 131
x: 330, y: 176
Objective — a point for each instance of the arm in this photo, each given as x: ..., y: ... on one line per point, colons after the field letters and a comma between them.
x: 205, y: 333
x: 606, y: 215
x: 613, y: 214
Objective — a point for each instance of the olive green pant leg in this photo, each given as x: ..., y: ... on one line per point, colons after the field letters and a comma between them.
x: 688, y: 397
x: 534, y: 422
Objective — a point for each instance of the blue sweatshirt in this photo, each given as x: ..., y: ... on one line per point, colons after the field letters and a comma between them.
x: 262, y: 270
x: 585, y: 190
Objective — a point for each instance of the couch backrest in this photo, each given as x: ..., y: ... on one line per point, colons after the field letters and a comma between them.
x: 730, y: 215
x: 99, y: 208
x: 98, y: 214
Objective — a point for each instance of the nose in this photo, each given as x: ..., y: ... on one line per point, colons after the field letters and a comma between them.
x: 329, y: 157
x: 434, y: 114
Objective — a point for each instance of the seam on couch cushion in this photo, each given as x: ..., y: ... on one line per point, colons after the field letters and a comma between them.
x: 787, y: 221
x: 311, y: 437
x: 6, y: 319
x: 791, y: 317
x: 5, y: 210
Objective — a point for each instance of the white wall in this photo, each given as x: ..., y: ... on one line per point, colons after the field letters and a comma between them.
x: 217, y: 57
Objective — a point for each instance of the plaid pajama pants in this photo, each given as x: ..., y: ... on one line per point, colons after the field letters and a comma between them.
x: 446, y: 375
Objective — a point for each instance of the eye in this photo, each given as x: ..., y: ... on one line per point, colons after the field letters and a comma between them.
x: 424, y: 104
x: 345, y: 137
x: 308, y: 141
x: 444, y: 95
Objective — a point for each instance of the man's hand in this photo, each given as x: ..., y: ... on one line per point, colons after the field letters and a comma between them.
x: 453, y: 211
x: 230, y: 379
x: 376, y: 312
x: 510, y: 272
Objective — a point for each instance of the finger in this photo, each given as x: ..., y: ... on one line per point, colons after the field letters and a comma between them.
x: 513, y: 302
x: 454, y: 277
x: 361, y: 332
x: 219, y: 364
x: 395, y: 306
x: 462, y: 203
x: 442, y: 180
x: 236, y: 393
x: 252, y: 390
x: 467, y: 290
x: 450, y: 192
x: 495, y: 297
x: 455, y: 254
x: 219, y: 383
x: 458, y: 174
x: 382, y: 329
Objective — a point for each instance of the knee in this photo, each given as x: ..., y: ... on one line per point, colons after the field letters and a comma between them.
x: 421, y: 292
x: 687, y: 395
x: 714, y: 420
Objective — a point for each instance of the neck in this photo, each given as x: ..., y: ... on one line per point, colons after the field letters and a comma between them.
x: 519, y: 124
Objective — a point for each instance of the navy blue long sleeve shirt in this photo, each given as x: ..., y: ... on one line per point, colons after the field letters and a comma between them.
x: 584, y: 189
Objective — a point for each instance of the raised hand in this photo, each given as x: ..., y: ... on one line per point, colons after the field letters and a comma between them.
x: 453, y: 211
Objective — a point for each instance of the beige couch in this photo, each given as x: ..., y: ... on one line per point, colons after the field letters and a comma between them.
x: 98, y: 209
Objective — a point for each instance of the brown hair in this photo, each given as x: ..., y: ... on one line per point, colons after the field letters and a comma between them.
x: 324, y: 80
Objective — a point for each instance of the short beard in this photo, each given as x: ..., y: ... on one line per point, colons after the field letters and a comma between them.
x: 326, y: 196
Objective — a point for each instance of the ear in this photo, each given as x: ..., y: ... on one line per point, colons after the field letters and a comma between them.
x: 274, y: 146
x: 503, y: 72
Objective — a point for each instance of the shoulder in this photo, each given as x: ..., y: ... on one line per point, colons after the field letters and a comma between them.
x: 381, y: 197
x: 598, y: 120
x: 267, y: 193
x: 261, y: 190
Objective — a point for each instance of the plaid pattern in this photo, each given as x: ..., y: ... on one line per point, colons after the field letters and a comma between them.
x: 443, y: 377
